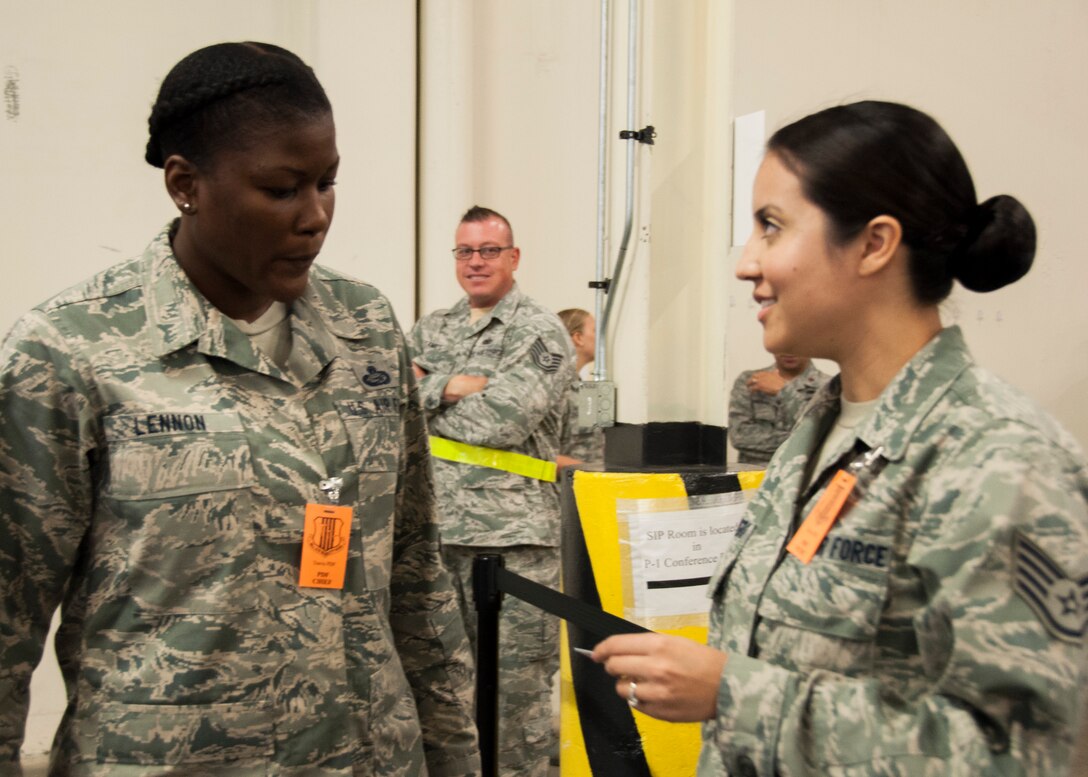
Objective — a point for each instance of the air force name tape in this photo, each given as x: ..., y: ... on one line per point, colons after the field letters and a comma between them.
x: 543, y: 358
x: 1060, y: 602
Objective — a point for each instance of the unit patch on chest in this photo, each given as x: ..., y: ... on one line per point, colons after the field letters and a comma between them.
x: 375, y: 377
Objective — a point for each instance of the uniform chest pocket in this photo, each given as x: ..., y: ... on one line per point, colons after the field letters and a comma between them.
x: 835, y: 598
x: 826, y: 614
x: 765, y: 411
x: 177, y: 510
x: 485, y: 356
x: 166, y: 455
x: 373, y: 427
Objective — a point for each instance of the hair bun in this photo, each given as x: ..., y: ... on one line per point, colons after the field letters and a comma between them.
x: 998, y: 247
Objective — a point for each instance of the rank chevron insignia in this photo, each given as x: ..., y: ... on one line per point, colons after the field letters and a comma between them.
x: 543, y: 358
x: 1060, y: 602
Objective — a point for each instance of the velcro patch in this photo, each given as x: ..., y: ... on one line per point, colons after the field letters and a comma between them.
x: 1060, y: 602
x: 543, y: 358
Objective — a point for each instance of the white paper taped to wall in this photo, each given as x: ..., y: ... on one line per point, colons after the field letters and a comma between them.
x: 673, y: 553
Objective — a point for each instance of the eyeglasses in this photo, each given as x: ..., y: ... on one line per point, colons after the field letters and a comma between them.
x: 464, y: 253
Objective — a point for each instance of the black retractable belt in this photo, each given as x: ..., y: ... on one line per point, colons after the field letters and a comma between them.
x: 590, y: 618
x: 489, y: 581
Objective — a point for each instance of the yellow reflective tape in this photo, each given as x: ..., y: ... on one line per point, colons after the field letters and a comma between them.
x: 507, y: 461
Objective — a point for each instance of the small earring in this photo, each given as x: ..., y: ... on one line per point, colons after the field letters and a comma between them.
x: 186, y: 206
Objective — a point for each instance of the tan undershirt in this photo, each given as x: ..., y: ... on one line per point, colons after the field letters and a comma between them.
x: 270, y: 333
x: 851, y: 414
x: 475, y: 314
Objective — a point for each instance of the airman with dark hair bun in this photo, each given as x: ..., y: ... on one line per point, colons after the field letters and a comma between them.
x: 858, y: 161
x: 908, y: 591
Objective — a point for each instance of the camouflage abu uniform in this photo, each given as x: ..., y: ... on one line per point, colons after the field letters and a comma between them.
x: 525, y: 352
x: 759, y: 422
x: 939, y: 629
x: 155, y: 471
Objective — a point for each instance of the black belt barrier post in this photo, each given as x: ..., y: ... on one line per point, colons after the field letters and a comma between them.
x: 488, y: 600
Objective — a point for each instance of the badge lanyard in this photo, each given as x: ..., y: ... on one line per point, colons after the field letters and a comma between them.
x: 325, y: 534
x: 809, y: 536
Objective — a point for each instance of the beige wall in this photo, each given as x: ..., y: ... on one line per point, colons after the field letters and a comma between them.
x: 508, y: 110
x: 86, y: 81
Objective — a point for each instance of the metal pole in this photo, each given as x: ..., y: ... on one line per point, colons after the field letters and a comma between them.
x: 632, y: 72
x: 488, y: 602
x: 600, y: 368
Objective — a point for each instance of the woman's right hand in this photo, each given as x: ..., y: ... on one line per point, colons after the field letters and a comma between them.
x: 675, y: 678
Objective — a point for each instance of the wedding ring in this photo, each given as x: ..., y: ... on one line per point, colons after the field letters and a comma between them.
x: 632, y: 699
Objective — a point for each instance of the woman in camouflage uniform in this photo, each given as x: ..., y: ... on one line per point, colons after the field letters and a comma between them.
x: 213, y: 457
x: 907, y: 594
x: 581, y: 445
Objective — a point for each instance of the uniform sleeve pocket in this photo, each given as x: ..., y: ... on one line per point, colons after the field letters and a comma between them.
x: 155, y: 734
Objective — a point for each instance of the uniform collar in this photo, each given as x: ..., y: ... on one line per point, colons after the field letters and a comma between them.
x: 503, y: 310
x: 179, y: 315
x: 905, y: 402
x: 916, y: 389
x: 808, y: 372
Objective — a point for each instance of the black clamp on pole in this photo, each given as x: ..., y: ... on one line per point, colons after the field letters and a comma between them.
x: 645, y: 135
x: 606, y: 284
x: 488, y: 602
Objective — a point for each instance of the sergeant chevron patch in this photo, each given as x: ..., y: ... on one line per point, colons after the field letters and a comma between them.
x: 1060, y: 602
x: 543, y: 358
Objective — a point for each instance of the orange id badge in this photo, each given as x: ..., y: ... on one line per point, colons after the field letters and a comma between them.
x: 325, y: 546
x: 818, y: 523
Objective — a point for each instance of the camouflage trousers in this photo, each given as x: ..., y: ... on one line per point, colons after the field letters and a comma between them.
x: 528, y: 655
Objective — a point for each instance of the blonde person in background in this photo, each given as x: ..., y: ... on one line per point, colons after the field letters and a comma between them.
x: 580, y: 445
x: 583, y: 333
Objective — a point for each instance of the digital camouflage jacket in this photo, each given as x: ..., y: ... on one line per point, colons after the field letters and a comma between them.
x: 939, y: 628
x: 758, y: 422
x: 525, y: 352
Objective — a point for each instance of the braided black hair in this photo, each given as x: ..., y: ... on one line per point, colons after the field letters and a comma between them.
x: 872, y: 158
x: 214, y: 96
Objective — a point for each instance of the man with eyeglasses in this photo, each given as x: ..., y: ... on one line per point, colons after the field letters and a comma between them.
x: 494, y: 371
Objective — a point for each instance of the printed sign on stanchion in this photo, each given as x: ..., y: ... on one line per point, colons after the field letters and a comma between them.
x: 673, y: 546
